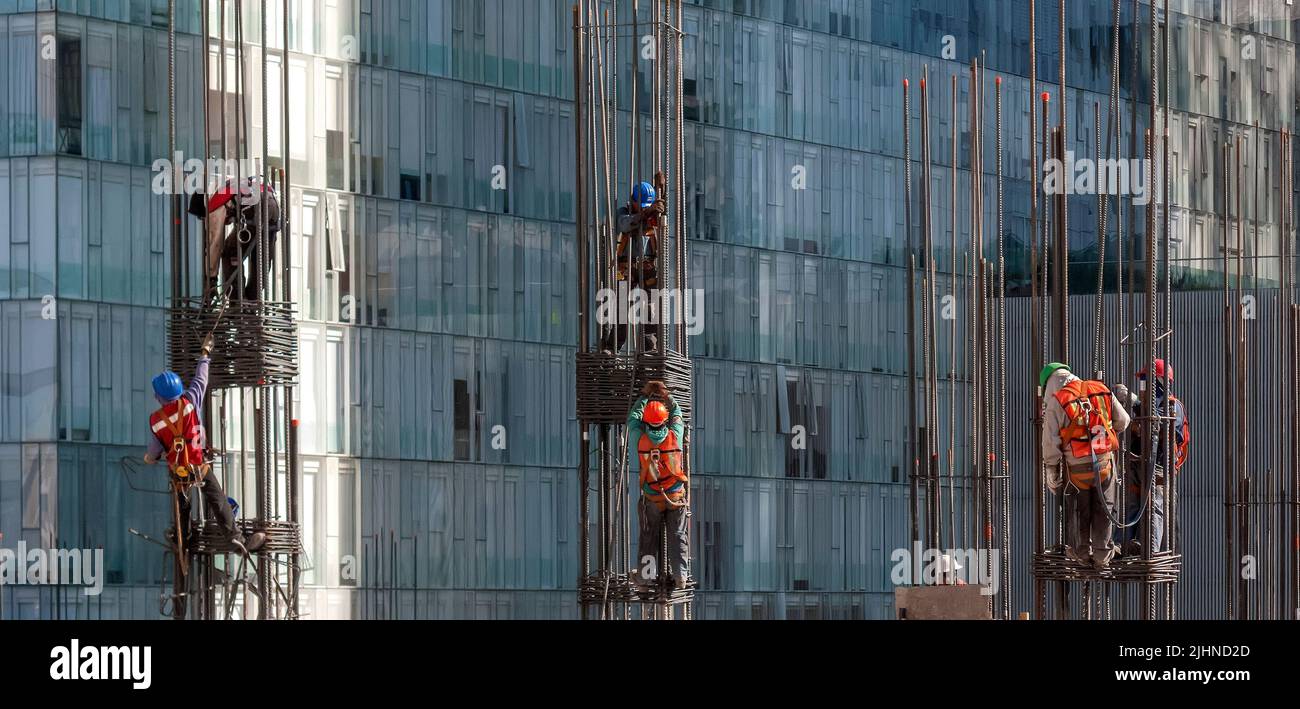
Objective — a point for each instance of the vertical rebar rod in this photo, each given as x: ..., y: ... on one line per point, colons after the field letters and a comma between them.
x: 952, y: 330
x: 1228, y: 412
x: 932, y: 377
x: 1036, y: 322
x: 1243, y: 414
x: 1004, y: 446
x: 174, y: 212
x: 910, y: 432
x: 1062, y: 221
x: 581, y: 235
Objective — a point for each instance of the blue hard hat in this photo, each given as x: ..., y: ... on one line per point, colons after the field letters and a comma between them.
x: 168, y: 386
x: 643, y: 194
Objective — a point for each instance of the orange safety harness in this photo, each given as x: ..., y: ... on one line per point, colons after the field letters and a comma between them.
x: 663, y: 479
x: 185, y: 455
x: 1089, y: 429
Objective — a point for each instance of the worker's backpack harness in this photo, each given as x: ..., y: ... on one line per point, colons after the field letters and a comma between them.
x: 1089, y: 428
x: 185, y: 456
x: 1090, y: 431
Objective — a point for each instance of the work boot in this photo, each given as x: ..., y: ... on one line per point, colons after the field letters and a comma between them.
x: 1075, y: 556
x: 255, y: 541
x: 1101, y: 559
x: 639, y: 583
x: 1133, y: 548
x: 679, y: 581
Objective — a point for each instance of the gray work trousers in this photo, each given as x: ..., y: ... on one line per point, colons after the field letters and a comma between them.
x: 650, y: 522
x: 1088, y: 529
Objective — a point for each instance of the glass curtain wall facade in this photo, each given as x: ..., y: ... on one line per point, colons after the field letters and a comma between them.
x: 438, y: 308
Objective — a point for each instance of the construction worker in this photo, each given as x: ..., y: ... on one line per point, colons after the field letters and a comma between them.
x: 1081, y: 420
x: 637, y: 251
x: 655, y: 427
x: 253, y: 194
x: 1165, y: 404
x: 175, y: 429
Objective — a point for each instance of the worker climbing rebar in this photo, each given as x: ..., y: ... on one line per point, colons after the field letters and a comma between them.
x: 656, y: 427
x: 636, y: 259
x: 254, y: 195
x: 1081, y: 423
x: 176, y: 431
x: 1168, y: 410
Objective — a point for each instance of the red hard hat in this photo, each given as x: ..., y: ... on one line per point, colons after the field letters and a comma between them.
x: 1161, y: 370
x: 655, y: 414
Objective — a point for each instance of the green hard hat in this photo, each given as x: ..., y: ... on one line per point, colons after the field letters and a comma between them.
x: 1049, y: 370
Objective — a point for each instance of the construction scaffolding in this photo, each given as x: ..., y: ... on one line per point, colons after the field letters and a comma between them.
x: 644, y: 38
x: 249, y: 412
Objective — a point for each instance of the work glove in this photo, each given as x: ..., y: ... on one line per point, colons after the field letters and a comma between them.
x: 1055, y: 479
x: 655, y: 388
x: 1126, y: 397
x: 206, y: 349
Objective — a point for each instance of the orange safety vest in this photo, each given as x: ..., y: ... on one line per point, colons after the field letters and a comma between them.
x: 663, y: 477
x: 177, y: 427
x: 1089, y: 428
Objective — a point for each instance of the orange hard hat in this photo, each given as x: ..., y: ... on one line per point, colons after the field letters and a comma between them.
x: 655, y: 414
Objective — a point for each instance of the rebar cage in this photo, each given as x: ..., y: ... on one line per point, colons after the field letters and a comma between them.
x: 249, y: 414
x: 255, y: 343
x: 609, y: 381
x: 606, y: 382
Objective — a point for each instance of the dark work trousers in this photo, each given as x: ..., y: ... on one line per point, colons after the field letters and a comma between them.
x: 218, y: 507
x: 1088, y: 528
x: 616, y: 335
x: 252, y: 223
x: 651, y: 521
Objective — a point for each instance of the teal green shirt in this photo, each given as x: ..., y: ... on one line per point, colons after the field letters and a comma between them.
x: 657, y: 435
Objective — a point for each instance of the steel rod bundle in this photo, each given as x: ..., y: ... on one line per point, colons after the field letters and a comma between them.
x: 281, y: 537
x: 255, y: 343
x: 1261, y: 556
x: 1161, y: 568
x: 603, y: 382
x: 959, y: 482
x: 608, y: 382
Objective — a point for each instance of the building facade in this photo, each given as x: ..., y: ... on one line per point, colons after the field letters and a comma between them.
x: 432, y: 216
